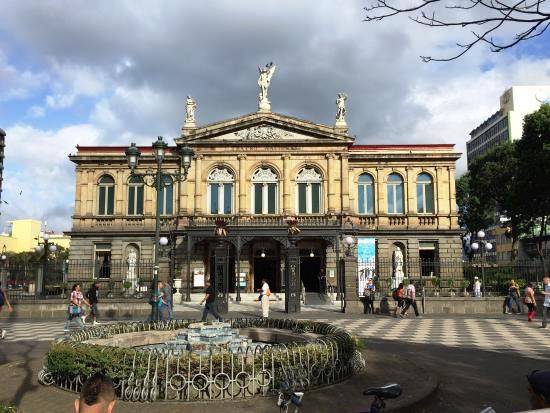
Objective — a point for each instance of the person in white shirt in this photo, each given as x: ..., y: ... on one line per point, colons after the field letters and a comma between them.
x: 546, y: 305
x: 410, y: 299
x: 265, y: 293
x: 477, y: 287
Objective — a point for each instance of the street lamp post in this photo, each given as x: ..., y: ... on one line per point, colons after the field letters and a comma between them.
x: 155, y: 179
x: 47, y: 247
x: 4, y: 258
x: 349, y: 242
x: 482, y: 246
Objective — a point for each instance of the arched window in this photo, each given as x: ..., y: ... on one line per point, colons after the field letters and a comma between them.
x: 135, y: 196
x: 424, y: 194
x: 395, y: 194
x: 220, y: 191
x: 106, y: 195
x: 167, y: 196
x: 309, y: 191
x: 264, y: 184
x: 365, y: 194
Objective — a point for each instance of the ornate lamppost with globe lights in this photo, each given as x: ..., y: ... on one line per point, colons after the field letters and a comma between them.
x: 349, y: 242
x: 45, y: 247
x: 483, y: 246
x: 4, y: 258
x: 155, y: 179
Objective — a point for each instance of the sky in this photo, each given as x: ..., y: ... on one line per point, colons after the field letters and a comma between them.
x: 111, y: 73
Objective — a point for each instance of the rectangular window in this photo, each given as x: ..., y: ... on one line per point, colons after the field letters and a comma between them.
x: 399, y: 203
x: 227, y: 189
x: 391, y: 197
x: 102, y: 191
x: 110, y: 200
x: 169, y: 198
x: 271, y: 198
x: 420, y: 198
x: 361, y: 196
x: 258, y: 195
x: 214, y: 190
x: 302, y: 191
x: 370, y: 199
x: 430, y: 199
x: 139, y: 203
x: 315, y: 198
x: 131, y: 200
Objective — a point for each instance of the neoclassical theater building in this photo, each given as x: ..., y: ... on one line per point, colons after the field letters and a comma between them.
x: 255, y: 173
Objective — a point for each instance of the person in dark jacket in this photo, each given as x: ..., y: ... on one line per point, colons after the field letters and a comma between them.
x: 91, y: 295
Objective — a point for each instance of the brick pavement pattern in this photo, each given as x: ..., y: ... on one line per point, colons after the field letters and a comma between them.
x: 488, y: 334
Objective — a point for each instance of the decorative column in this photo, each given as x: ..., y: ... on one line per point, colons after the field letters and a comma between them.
x: 410, y: 196
x: 345, y: 182
x: 287, y: 205
x: 242, y: 184
x: 198, y: 181
x: 90, y: 189
x: 221, y: 281
x: 292, y: 284
x: 189, y: 275
x: 331, y: 182
x: 120, y: 196
x: 352, y: 303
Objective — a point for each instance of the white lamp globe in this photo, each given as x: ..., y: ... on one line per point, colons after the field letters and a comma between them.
x: 38, y: 249
x: 52, y: 248
x: 163, y: 241
x: 349, y: 241
x: 46, y: 236
x: 474, y: 246
x: 311, y: 254
x: 262, y: 254
x: 481, y: 234
x: 3, y: 257
x: 488, y: 246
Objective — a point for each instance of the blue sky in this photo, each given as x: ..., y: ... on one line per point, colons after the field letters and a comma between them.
x: 113, y: 73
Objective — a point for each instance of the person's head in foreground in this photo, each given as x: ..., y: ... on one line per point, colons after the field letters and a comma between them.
x: 97, y: 395
x: 539, y: 389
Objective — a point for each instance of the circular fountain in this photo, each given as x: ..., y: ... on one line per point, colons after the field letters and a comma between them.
x: 189, y: 361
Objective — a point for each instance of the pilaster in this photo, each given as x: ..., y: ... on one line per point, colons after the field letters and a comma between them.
x: 331, y: 182
x: 287, y: 205
x: 198, y: 180
x: 242, y: 184
x: 345, y: 182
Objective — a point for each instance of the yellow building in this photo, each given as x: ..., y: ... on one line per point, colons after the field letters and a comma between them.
x: 25, y: 234
x: 254, y: 174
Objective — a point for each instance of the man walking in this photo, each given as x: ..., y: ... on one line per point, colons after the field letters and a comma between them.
x: 546, y: 305
x: 410, y: 299
x: 167, y: 300
x: 513, y: 296
x: 91, y: 295
x: 4, y: 301
x: 210, y: 306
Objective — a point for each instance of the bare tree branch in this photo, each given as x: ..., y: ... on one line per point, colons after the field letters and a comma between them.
x: 532, y: 18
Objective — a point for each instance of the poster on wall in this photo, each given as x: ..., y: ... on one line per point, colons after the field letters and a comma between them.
x: 198, y: 277
x: 366, y: 262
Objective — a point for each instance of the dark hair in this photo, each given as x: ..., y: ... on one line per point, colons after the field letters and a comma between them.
x: 530, y: 285
x: 74, y: 286
x: 540, y: 382
x: 400, y: 285
x: 264, y: 279
x: 99, y: 387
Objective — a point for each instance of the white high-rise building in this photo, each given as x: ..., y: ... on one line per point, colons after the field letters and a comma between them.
x: 507, y: 123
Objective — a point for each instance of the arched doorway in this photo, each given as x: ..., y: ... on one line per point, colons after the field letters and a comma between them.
x: 265, y: 262
x: 312, y: 264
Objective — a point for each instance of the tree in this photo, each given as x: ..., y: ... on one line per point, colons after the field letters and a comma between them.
x: 488, y: 20
x: 473, y: 215
x: 533, y: 176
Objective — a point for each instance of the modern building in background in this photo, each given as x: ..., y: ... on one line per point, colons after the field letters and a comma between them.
x: 506, y: 124
x: 23, y: 235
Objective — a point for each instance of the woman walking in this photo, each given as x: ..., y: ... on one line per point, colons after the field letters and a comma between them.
x: 530, y: 302
x: 513, y: 296
x: 398, y: 295
x: 75, y: 308
x: 264, y: 298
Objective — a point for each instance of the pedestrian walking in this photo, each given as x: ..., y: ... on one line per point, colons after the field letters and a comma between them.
x: 410, y: 300
x: 530, y: 302
x: 210, y: 303
x: 513, y: 296
x: 546, y: 305
x: 156, y: 301
x: 265, y: 292
x: 368, y: 294
x: 398, y: 297
x: 97, y: 395
x: 477, y: 287
x: 322, y: 282
x: 92, y: 297
x: 167, y: 303
x: 4, y: 301
x: 75, y: 308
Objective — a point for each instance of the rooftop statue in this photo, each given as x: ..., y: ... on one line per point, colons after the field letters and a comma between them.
x: 263, y: 82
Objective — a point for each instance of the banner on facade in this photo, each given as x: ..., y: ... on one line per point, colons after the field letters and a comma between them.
x: 198, y: 277
x: 366, y: 262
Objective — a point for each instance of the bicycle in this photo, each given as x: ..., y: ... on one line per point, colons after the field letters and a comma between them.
x: 389, y: 391
x: 288, y: 397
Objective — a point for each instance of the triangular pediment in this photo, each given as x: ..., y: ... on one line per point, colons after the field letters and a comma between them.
x: 264, y: 128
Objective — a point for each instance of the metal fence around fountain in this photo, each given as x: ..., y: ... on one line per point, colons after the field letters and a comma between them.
x: 150, y: 375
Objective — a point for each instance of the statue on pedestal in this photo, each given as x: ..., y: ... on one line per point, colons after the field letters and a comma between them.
x: 131, y: 274
x: 264, y: 105
x: 190, y: 107
x: 341, y: 110
x: 398, y: 273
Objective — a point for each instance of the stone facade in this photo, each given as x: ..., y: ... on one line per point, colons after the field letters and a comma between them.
x: 255, y: 172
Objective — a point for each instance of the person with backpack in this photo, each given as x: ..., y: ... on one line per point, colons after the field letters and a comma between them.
x: 91, y: 295
x: 397, y: 296
x: 4, y: 301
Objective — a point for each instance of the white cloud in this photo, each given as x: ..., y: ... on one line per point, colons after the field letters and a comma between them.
x: 18, y: 84
x: 36, y: 111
